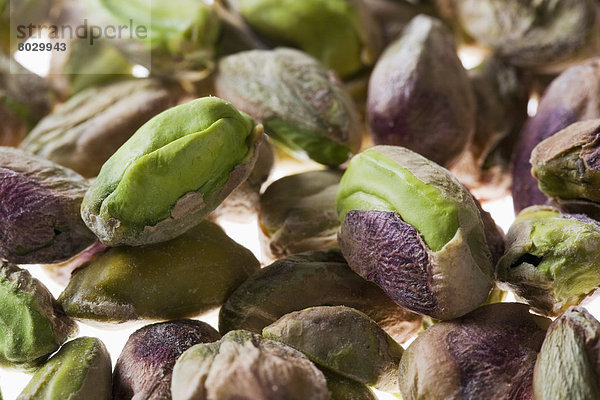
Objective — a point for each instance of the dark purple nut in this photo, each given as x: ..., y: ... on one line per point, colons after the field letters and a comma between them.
x: 420, y: 96
x: 489, y: 353
x: 572, y: 96
x: 568, y: 366
x: 306, y: 280
x: 501, y: 94
x: 86, y: 130
x: 39, y: 210
x: 144, y: 368
x: 297, y: 214
x: 567, y: 167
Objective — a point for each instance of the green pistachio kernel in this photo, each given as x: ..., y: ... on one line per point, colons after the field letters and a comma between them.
x: 171, y: 173
x: 81, y: 370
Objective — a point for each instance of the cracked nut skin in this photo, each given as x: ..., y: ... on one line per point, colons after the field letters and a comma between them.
x: 243, y: 365
x: 568, y: 366
x: 80, y: 370
x: 311, y: 279
x: 571, y: 97
x: 174, y: 171
x: 39, y: 202
x: 567, y: 167
x: 489, y: 353
x: 420, y: 96
x: 302, y: 105
x: 343, y: 340
x: 410, y: 227
x: 186, y: 276
x: 297, y: 214
x: 551, y: 259
x: 86, y: 130
x: 145, y: 366
x: 33, y: 325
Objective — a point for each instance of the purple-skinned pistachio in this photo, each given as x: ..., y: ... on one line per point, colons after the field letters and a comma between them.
x: 420, y: 96
x: 489, y: 353
x: 145, y: 366
x: 39, y: 210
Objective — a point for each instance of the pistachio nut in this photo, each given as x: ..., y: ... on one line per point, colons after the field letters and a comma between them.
x: 568, y: 366
x: 244, y: 365
x: 80, y: 370
x: 297, y: 214
x: 420, y: 96
x: 302, y: 105
x: 144, y: 368
x: 571, y: 97
x: 186, y: 276
x: 307, y: 280
x: 567, y: 167
x: 174, y: 171
x: 531, y: 33
x: 346, y: 389
x: 551, y: 259
x: 393, y: 16
x: 33, y: 325
x: 40, y: 220
x: 342, y: 340
x: 409, y: 226
x: 342, y: 34
x: 85, y: 131
x: 61, y: 272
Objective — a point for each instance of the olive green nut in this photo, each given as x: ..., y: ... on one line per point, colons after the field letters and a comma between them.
x: 186, y: 276
x: 342, y: 34
x: 144, y: 368
x: 488, y: 354
x: 343, y: 340
x: 297, y: 214
x: 244, y: 365
x: 410, y: 227
x: 174, y: 171
x: 551, y: 259
x: 346, y: 389
x: 568, y: 366
x: 302, y: 104
x: 310, y: 279
x: 33, y: 325
x: 81, y: 370
x: 567, y: 167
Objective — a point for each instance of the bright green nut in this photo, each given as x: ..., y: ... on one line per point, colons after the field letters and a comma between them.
x: 551, y: 259
x: 183, y: 277
x: 409, y: 226
x: 342, y: 34
x: 346, y: 389
x: 342, y: 340
x: 302, y: 105
x: 568, y: 366
x: 81, y: 370
x: 32, y: 325
x: 171, y: 173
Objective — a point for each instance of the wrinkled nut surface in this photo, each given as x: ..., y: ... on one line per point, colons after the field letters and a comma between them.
x: 409, y: 226
x: 297, y: 214
x: 489, y: 353
x: 186, y: 276
x: 32, y: 325
x: 307, y: 280
x: 343, y: 340
x: 551, y: 259
x: 568, y: 366
x: 301, y: 104
x: 80, y: 370
x: 171, y: 173
x: 243, y: 365
x: 39, y: 202
x: 85, y: 131
x: 346, y: 389
x: 144, y: 368
x: 420, y: 96
x: 342, y: 34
